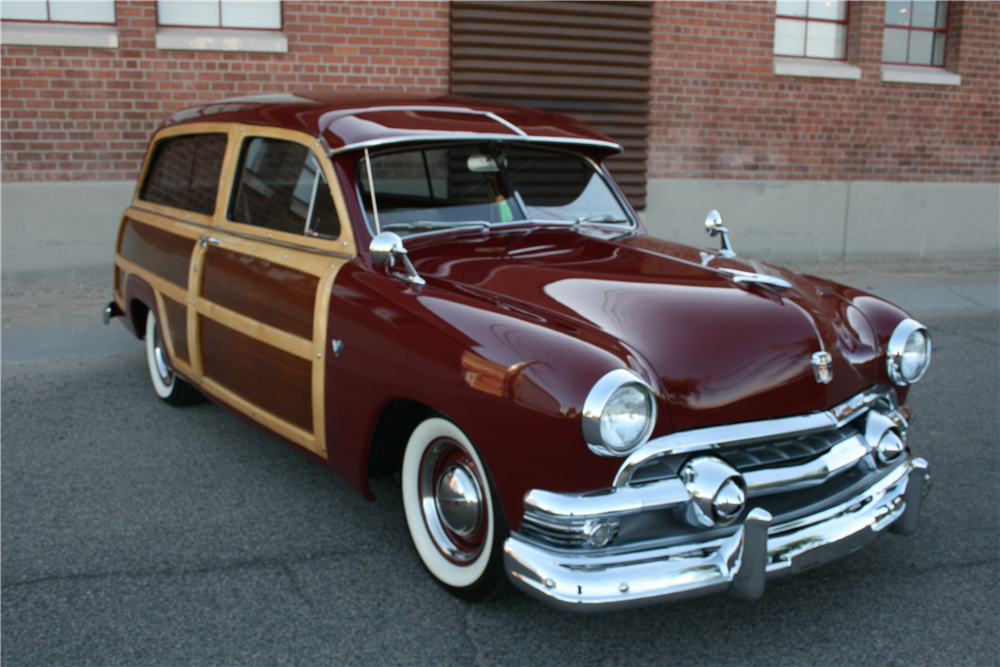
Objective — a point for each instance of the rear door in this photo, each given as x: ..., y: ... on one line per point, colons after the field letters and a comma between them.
x: 175, y: 204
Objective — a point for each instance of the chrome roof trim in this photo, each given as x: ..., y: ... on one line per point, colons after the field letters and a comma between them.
x: 474, y: 136
x: 502, y: 121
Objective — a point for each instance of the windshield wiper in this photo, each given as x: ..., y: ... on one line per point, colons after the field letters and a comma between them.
x: 427, y: 225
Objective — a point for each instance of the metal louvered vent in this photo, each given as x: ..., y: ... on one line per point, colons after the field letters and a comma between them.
x: 788, y: 452
x: 589, y: 60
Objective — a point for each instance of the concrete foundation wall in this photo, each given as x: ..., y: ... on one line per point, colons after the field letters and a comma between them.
x: 66, y: 231
x: 800, y: 219
x: 62, y: 231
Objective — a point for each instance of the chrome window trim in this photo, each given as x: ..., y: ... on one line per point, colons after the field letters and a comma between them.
x: 748, y: 432
x: 252, y: 237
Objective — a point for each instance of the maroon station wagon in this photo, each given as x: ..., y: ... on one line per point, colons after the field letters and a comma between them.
x: 457, y: 292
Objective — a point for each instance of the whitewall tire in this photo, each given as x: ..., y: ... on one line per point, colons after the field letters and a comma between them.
x: 167, y: 385
x: 455, y: 521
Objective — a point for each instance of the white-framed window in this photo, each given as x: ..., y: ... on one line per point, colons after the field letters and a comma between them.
x: 220, y: 25
x: 915, y: 32
x: 72, y: 23
x: 243, y: 14
x: 59, y: 11
x: 811, y: 29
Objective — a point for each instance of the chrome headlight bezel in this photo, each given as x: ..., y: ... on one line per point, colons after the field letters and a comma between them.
x: 600, y: 396
x: 897, y: 346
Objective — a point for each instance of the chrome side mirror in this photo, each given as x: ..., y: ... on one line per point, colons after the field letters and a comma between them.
x: 385, y: 248
x: 713, y: 225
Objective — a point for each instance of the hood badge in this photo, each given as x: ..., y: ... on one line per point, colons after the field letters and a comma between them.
x: 822, y: 364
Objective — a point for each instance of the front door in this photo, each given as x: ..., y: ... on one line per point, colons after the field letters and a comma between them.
x: 262, y: 277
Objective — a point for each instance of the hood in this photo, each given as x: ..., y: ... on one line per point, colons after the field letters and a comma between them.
x: 724, y: 352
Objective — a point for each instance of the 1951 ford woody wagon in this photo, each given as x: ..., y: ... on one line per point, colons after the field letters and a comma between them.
x: 606, y: 418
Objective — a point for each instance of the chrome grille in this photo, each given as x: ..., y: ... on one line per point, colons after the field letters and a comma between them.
x: 789, y: 451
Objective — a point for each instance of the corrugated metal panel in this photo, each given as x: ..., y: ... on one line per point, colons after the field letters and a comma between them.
x: 589, y: 60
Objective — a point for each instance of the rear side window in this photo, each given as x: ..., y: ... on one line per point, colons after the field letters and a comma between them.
x: 282, y: 187
x: 185, y: 172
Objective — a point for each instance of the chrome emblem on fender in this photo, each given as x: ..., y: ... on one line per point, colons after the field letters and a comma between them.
x: 822, y: 364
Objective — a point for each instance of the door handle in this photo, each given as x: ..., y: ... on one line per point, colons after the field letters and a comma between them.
x: 206, y: 239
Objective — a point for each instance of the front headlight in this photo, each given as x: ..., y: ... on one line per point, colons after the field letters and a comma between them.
x: 909, y: 352
x: 619, y: 414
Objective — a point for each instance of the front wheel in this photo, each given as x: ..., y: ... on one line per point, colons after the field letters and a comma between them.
x: 166, y: 383
x: 455, y: 520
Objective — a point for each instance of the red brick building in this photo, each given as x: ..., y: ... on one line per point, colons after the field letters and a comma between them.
x: 871, y: 127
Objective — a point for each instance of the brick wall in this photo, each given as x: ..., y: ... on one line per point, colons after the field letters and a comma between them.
x: 87, y: 114
x: 718, y: 111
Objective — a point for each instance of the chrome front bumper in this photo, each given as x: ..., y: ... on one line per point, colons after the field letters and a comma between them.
x: 600, y: 580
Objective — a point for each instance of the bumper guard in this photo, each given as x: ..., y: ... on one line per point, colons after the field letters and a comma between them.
x: 739, y: 564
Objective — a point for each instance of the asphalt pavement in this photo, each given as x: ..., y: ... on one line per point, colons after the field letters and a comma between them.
x: 134, y: 533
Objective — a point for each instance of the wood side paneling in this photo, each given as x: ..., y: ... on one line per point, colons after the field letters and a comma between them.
x: 162, y: 253
x: 177, y: 321
x: 276, y: 295
x: 277, y: 381
x: 589, y: 60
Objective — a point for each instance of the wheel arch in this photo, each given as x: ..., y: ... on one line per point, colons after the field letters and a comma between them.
x: 139, y: 299
x: 392, y: 429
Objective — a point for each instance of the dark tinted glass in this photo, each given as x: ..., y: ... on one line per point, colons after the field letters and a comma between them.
x: 556, y: 185
x: 277, y: 185
x: 185, y: 173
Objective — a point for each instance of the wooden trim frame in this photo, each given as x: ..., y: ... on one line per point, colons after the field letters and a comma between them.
x: 316, y: 256
x: 344, y: 244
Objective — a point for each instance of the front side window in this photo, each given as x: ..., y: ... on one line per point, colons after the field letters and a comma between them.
x: 260, y: 14
x: 184, y: 172
x: 282, y: 187
x: 59, y: 11
x: 915, y: 32
x: 432, y: 188
x: 811, y: 29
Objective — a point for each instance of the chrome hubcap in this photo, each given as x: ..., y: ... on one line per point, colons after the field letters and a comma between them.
x: 452, y: 501
x: 458, y: 500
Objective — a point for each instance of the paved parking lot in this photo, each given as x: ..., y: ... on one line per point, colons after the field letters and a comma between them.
x: 135, y: 533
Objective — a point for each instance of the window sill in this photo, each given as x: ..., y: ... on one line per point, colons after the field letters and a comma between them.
x: 928, y: 75
x: 214, y: 39
x: 17, y: 33
x: 814, y: 67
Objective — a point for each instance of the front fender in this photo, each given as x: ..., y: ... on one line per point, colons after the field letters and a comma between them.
x: 514, y: 381
x: 883, y: 318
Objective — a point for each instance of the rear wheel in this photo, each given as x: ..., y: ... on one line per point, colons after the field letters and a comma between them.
x: 454, y: 518
x: 168, y: 386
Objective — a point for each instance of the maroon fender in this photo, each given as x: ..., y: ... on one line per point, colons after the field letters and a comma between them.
x: 400, y: 341
x: 138, y: 290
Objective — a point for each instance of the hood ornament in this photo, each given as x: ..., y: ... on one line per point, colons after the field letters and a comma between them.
x: 822, y: 363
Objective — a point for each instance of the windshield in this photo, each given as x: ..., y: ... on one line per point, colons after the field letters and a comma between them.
x: 425, y: 189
